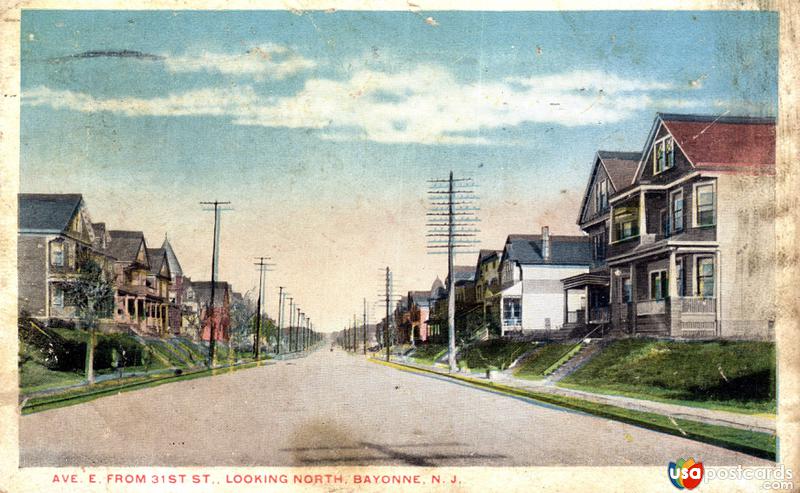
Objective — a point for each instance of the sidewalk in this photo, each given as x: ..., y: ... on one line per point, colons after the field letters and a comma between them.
x: 761, y: 424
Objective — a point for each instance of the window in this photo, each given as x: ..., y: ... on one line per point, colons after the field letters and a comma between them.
x: 599, y: 246
x: 705, y: 277
x: 57, y: 254
x: 705, y: 200
x: 658, y: 285
x: 663, y: 155
x: 626, y: 223
x: 663, y: 217
x: 627, y: 290
x: 58, y: 296
x: 601, y: 195
x: 512, y: 311
x: 676, y: 211
x: 680, y: 280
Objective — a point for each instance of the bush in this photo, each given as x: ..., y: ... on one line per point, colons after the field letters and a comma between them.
x: 498, y: 353
x: 129, y: 351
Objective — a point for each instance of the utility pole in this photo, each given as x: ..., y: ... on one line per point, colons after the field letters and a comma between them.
x: 297, y: 333
x: 364, y: 323
x: 386, y: 325
x: 280, y: 318
x: 452, y: 219
x: 262, y: 266
x: 214, y: 258
x: 291, y: 317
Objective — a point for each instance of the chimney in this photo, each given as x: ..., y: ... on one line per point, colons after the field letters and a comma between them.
x: 545, y: 243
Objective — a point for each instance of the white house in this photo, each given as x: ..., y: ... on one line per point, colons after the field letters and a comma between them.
x: 531, y: 269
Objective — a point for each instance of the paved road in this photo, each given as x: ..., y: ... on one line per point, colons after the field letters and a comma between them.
x: 336, y: 409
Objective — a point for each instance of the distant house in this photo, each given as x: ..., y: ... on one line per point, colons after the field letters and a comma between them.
x: 158, y: 280
x: 54, y: 233
x: 419, y: 311
x: 218, y: 314
x: 532, y: 267
x: 691, y: 235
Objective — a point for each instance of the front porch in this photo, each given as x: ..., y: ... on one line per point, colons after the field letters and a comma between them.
x: 590, y: 291
x: 668, y: 293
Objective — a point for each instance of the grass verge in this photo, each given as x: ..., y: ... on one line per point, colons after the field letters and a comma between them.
x: 427, y: 354
x: 753, y: 443
x: 492, y: 354
x: 109, y: 387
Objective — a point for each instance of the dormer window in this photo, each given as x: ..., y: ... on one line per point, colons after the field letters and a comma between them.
x: 663, y: 155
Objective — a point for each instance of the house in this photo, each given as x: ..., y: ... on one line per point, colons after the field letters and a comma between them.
x: 179, y: 308
x: 691, y: 238
x: 218, y: 314
x: 487, y: 287
x: 531, y: 269
x: 419, y: 303
x: 437, y: 311
x: 140, y: 299
x: 611, y: 171
x: 158, y: 280
x: 55, y: 233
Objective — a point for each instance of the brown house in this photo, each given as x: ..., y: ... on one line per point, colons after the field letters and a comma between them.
x: 54, y: 233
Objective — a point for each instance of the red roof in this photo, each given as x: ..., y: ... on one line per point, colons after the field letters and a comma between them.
x: 726, y: 144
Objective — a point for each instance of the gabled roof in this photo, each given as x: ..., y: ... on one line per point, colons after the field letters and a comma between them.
x: 564, y: 250
x: 202, y: 291
x: 719, y: 143
x: 158, y: 259
x: 46, y: 212
x: 620, y: 166
x: 463, y: 273
x: 125, y: 245
x: 725, y: 143
x: 174, y: 265
x: 621, y: 169
x: 485, y: 255
x: 420, y: 298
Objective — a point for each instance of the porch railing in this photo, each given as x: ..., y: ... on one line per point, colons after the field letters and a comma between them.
x: 698, y: 305
x: 650, y: 307
x: 576, y: 316
x: 599, y: 314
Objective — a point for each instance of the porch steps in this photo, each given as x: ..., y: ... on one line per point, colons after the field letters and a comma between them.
x: 586, y: 353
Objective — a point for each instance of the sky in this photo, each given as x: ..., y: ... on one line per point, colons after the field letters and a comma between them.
x: 322, y: 128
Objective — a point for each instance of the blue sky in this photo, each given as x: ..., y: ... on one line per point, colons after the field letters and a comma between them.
x: 323, y: 127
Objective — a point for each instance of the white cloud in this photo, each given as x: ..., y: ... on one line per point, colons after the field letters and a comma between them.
x: 425, y: 104
x: 265, y: 61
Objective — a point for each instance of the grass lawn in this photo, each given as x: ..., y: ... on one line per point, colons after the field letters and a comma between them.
x: 428, y: 353
x: 34, y: 377
x: 729, y: 375
x: 543, y: 359
x: 495, y: 353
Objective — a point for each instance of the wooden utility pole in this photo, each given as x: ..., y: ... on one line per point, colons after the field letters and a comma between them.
x: 452, y: 218
x: 386, y: 325
x: 297, y: 331
x: 364, y: 323
x: 280, y: 318
x: 213, y: 333
x: 262, y: 266
x: 291, y: 317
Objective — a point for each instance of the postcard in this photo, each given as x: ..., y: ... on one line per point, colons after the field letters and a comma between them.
x: 412, y: 247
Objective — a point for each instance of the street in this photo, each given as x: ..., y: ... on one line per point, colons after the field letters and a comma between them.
x: 333, y: 409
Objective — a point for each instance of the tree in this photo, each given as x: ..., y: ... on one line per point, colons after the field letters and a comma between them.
x: 92, y: 294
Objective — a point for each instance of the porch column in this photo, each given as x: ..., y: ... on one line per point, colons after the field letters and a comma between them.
x: 672, y: 279
x: 566, y: 306
x: 136, y: 309
x: 632, y: 312
x: 673, y: 302
x: 642, y: 216
x: 717, y: 294
x: 586, y: 307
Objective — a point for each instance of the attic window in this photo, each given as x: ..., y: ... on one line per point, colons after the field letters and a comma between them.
x: 663, y: 155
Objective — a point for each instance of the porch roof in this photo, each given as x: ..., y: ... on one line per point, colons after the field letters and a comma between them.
x: 586, y: 279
